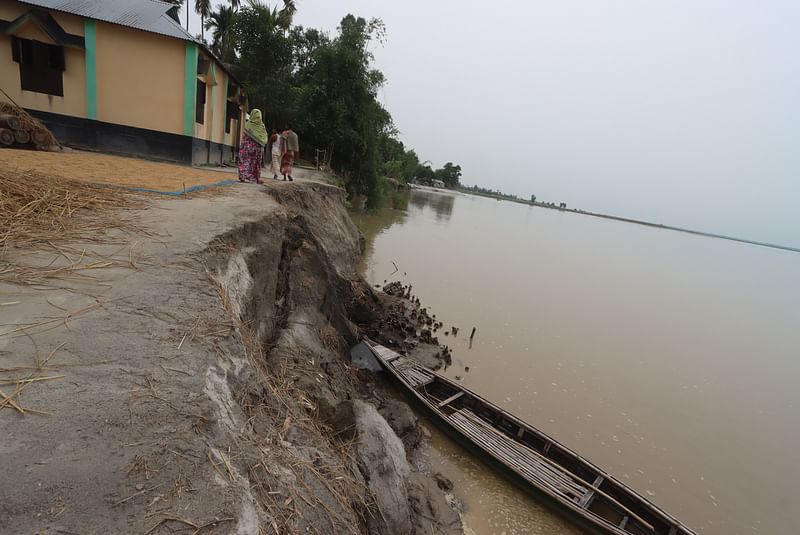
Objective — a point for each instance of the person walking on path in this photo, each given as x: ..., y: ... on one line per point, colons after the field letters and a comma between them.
x: 276, y: 149
x: 291, y: 152
x: 251, y: 151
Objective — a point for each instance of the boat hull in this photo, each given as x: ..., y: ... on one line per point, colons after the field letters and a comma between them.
x: 552, y: 504
x: 563, y: 481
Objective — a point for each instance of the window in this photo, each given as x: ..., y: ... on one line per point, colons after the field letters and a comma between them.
x: 200, y: 111
x: 231, y: 114
x: 41, y: 66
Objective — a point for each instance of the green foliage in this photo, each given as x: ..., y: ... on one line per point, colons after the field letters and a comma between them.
x: 449, y: 174
x: 398, y: 163
x: 339, y: 106
x: 264, y: 62
x: 223, y: 38
x: 324, y: 87
x: 424, y: 173
x: 477, y: 190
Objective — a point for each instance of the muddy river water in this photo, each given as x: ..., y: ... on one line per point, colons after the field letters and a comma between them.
x: 670, y: 360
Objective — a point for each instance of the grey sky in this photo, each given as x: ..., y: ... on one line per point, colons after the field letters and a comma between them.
x: 683, y: 112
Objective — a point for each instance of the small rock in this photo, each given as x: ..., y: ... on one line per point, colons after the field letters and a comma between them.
x: 444, y: 483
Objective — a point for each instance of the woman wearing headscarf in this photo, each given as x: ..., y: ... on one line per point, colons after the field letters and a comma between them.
x: 292, y: 146
x: 251, y: 150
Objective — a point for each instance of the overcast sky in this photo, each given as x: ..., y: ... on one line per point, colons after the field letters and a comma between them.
x: 683, y: 112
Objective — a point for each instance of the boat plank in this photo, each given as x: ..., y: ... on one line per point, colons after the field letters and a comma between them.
x: 531, y: 467
x: 531, y: 474
x: 451, y: 399
x: 610, y: 499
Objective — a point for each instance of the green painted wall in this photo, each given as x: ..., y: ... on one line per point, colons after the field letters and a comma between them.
x: 225, y: 109
x: 214, y: 120
x: 90, y: 40
x: 189, y: 88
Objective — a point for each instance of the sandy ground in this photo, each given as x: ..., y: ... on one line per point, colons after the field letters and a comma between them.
x: 145, y: 411
x: 118, y: 170
x: 132, y: 371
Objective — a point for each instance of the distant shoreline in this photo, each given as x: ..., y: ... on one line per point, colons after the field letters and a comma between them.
x: 634, y: 221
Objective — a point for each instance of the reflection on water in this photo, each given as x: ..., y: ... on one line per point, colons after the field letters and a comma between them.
x: 372, y: 223
x: 441, y: 203
x: 669, y: 359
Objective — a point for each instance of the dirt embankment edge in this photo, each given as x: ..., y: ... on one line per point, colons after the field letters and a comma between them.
x: 205, y: 383
x: 290, y: 280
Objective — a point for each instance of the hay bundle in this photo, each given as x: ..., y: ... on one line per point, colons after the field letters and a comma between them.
x: 6, y: 137
x: 27, y: 123
x: 36, y: 208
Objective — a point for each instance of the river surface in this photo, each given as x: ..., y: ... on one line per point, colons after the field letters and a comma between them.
x: 670, y: 360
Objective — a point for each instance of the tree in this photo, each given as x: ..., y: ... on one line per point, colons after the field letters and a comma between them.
x: 338, y: 104
x: 424, y: 173
x: 449, y: 174
x: 264, y: 62
x: 533, y: 198
x: 220, y: 23
x: 324, y: 86
x: 202, y: 8
x: 286, y: 15
x: 304, y: 42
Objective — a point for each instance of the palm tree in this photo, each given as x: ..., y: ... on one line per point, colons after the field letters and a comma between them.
x: 286, y: 15
x: 221, y: 24
x: 202, y: 8
x: 282, y: 18
x: 270, y: 14
x: 235, y: 4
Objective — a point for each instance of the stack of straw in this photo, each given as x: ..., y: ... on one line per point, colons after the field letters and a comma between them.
x: 18, y: 127
x: 37, y: 207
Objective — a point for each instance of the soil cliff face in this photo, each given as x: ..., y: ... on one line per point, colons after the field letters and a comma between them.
x: 290, y: 280
x: 205, y: 385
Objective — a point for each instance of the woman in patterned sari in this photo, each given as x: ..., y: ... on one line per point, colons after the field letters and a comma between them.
x: 251, y: 150
x: 292, y: 151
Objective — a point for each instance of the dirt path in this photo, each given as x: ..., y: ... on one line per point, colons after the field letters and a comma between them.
x: 130, y: 172
x: 193, y: 377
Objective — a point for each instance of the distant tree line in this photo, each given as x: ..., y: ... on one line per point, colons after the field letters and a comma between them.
x: 450, y: 174
x: 325, y: 87
x: 478, y: 190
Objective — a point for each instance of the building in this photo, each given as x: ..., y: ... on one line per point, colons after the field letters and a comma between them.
x: 120, y: 76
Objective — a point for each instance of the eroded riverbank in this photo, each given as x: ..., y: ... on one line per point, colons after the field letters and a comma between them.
x: 204, y: 383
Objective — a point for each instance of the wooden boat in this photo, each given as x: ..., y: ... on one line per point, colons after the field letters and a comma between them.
x: 539, y: 464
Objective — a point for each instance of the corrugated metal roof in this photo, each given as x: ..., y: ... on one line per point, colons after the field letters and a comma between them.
x: 147, y: 15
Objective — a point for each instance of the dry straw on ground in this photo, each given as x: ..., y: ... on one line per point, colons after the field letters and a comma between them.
x: 36, y: 207
x: 100, y: 168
